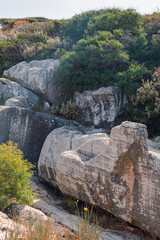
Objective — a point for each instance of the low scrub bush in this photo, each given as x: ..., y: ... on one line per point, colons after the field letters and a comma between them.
x: 14, y: 176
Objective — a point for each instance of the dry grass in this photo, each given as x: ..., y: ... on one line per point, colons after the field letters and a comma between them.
x: 47, y: 230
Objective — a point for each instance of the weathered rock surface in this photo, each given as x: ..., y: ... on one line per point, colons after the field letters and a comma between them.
x: 154, y: 143
x: 17, y: 95
x: 26, y: 212
x: 100, y: 107
x: 28, y: 129
x: 7, y: 225
x: 50, y: 204
x: 118, y: 174
x: 18, y: 102
x: 38, y: 76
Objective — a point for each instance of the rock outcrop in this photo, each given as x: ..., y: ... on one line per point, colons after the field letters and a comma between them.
x: 101, y: 107
x: 13, y: 94
x: 38, y: 76
x: 118, y: 174
x: 29, y: 129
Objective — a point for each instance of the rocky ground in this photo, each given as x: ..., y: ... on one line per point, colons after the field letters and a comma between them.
x: 49, y: 206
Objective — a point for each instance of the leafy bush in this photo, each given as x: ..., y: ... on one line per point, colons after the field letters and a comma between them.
x: 92, y: 63
x: 130, y: 79
x: 14, y: 176
x: 112, y: 19
x: 145, y: 105
x: 75, y: 27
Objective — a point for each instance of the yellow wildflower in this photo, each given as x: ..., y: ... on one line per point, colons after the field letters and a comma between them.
x: 85, y: 209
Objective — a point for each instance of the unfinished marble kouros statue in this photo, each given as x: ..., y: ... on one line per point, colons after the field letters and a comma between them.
x: 118, y: 174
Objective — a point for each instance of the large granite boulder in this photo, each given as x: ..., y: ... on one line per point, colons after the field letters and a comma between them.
x: 13, y: 94
x: 29, y: 129
x: 38, y: 76
x: 101, y: 107
x: 118, y: 174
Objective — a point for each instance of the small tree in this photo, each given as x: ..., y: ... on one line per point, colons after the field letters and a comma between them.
x: 14, y: 176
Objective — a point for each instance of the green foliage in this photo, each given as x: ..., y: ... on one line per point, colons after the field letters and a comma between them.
x: 130, y: 79
x: 92, y: 63
x: 9, y: 53
x: 39, y: 39
x: 151, y: 23
x: 75, y: 27
x: 68, y: 110
x: 148, y: 96
x: 145, y: 106
x: 111, y: 19
x: 43, y: 38
x: 114, y: 50
x: 14, y: 176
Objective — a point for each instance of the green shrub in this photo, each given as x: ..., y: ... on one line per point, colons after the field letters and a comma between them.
x: 111, y: 19
x: 76, y: 26
x: 144, y: 107
x: 130, y: 80
x: 92, y: 63
x: 14, y: 176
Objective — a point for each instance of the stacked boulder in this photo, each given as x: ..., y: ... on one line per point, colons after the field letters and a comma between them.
x: 98, y: 108
x: 38, y: 77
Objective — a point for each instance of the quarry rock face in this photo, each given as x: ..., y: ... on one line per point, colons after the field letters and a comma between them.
x: 28, y: 129
x: 38, y: 76
x: 100, y: 107
x: 13, y: 94
x: 118, y: 174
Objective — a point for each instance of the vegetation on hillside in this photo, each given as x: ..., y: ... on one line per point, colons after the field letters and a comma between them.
x: 138, y: 37
x: 96, y: 48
